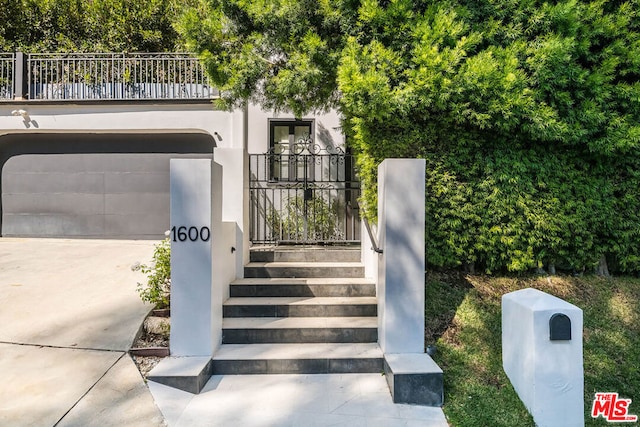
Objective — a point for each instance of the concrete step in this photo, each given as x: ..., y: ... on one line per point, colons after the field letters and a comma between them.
x: 185, y: 373
x: 300, y: 307
x: 243, y: 359
x: 303, y: 287
x: 414, y: 378
x: 262, y: 330
x: 306, y: 254
x: 303, y: 269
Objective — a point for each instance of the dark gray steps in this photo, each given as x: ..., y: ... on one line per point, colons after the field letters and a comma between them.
x: 415, y: 379
x: 303, y: 287
x: 300, y: 307
x: 311, y: 254
x: 184, y: 373
x: 261, y: 330
x: 239, y: 359
x: 303, y: 270
x: 306, y: 311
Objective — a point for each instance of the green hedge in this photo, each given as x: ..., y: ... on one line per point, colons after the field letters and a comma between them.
x: 528, y: 115
x: 508, y: 206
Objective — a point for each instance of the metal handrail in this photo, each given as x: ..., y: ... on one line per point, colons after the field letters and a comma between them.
x: 373, y: 240
x: 7, y: 72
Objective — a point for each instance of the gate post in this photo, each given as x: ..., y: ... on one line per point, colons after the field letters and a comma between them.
x: 412, y: 375
x: 192, y: 331
x: 199, y: 238
x: 401, y: 216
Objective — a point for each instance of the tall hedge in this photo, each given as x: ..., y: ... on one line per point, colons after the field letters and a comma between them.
x: 527, y: 112
x: 528, y: 115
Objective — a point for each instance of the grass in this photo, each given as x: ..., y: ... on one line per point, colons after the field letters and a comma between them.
x: 464, y: 320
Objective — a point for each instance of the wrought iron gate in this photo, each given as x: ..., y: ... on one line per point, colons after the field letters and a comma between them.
x: 306, y: 195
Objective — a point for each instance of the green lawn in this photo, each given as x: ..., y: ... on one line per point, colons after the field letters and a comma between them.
x: 464, y: 320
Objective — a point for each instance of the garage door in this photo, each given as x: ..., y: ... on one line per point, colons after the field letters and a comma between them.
x: 91, y: 194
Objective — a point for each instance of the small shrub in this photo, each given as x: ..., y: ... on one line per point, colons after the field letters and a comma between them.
x: 158, y: 287
x: 322, y: 220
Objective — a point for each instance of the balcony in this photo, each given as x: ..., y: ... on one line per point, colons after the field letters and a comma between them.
x: 81, y: 77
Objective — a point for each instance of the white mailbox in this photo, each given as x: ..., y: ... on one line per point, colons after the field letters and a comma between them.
x: 542, y: 356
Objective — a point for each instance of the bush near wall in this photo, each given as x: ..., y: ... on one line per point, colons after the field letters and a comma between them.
x: 520, y: 208
x: 516, y: 206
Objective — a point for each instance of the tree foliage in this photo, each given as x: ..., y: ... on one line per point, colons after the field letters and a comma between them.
x: 281, y: 54
x: 89, y: 25
x: 527, y: 112
x: 528, y: 116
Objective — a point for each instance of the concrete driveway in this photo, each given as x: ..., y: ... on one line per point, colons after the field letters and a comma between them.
x: 69, y: 312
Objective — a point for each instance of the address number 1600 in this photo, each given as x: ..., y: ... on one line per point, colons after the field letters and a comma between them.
x: 182, y: 234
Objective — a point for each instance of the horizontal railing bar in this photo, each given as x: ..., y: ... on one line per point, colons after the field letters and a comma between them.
x: 152, y: 55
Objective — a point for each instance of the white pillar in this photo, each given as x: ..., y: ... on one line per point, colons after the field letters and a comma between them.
x: 546, y: 369
x: 192, y: 317
x: 235, y: 201
x: 401, y: 266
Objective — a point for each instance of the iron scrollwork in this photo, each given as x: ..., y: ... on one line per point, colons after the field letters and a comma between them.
x: 306, y: 147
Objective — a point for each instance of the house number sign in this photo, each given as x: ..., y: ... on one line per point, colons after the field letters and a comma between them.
x: 193, y: 234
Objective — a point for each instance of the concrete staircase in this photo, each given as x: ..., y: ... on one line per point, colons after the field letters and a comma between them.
x: 305, y: 311
x: 300, y: 311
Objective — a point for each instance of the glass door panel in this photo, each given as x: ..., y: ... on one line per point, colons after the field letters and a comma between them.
x: 281, y: 150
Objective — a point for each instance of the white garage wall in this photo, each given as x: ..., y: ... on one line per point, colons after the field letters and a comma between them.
x: 112, y: 195
x: 125, y: 118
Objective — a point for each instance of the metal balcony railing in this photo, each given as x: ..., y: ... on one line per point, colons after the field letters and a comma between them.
x: 152, y: 76
x: 7, y: 66
x: 103, y: 76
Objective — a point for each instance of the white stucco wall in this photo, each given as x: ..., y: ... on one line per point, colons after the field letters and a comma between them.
x: 230, y: 129
x: 235, y: 201
x: 224, y: 126
x: 401, y: 266
x: 327, y: 128
x: 368, y: 256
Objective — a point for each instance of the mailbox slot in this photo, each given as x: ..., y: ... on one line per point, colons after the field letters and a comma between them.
x: 559, y: 327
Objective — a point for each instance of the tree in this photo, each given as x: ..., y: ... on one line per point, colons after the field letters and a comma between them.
x: 281, y: 54
x: 527, y: 112
x: 89, y: 25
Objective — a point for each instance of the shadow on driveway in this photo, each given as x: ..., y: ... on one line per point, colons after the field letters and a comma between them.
x: 70, y: 312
